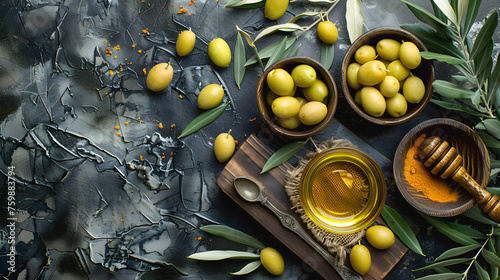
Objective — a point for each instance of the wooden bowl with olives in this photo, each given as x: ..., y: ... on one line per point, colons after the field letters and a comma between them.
x: 296, y: 97
x: 383, y: 77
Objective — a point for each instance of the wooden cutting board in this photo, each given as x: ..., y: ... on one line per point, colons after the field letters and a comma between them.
x: 248, y: 161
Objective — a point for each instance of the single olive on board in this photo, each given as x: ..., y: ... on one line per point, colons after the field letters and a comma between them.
x: 272, y: 261
x: 185, y: 42
x: 219, y: 52
x: 380, y: 237
x: 160, y: 76
x: 361, y: 259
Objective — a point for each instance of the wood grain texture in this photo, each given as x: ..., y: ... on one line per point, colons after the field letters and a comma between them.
x: 248, y: 161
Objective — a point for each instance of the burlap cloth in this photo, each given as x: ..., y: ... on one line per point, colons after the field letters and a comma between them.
x: 337, y: 244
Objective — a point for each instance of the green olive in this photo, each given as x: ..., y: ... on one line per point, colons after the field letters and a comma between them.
x: 224, y: 146
x: 409, y: 54
x: 303, y: 75
x: 185, y: 42
x: 396, y: 105
x: 380, y: 237
x: 388, y: 49
x: 398, y: 70
x: 389, y: 86
x: 219, y: 52
x: 372, y: 73
x: 364, y: 54
x: 372, y: 101
x: 280, y: 82
x: 272, y: 261
x: 160, y: 76
x: 413, y: 89
x: 352, y: 75
x: 274, y: 9
x: 357, y: 97
x: 327, y: 32
x: 270, y: 96
x: 312, y: 113
x: 210, y: 96
x: 318, y: 91
x: 361, y: 259
x: 285, y: 107
x: 289, y: 123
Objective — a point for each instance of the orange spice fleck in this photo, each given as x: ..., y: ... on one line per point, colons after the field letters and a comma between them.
x: 190, y: 14
x: 162, y: 156
x: 236, y: 142
x: 108, y: 52
x: 172, y: 126
x: 141, y: 158
x: 190, y: 3
x: 121, y: 220
x: 252, y: 120
x: 245, y: 135
x: 145, y: 31
x: 132, y: 191
x: 119, y: 134
x: 171, y: 153
x: 126, y: 123
x: 138, y: 118
x: 139, y: 51
x: 196, y: 5
x: 117, y: 47
x: 111, y: 72
x: 117, y: 127
x: 133, y: 45
x: 160, y: 125
x: 104, y: 42
x: 144, y: 71
x: 116, y: 57
x: 180, y: 96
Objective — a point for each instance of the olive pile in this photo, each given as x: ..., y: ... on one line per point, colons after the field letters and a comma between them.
x: 379, y: 74
x: 290, y: 110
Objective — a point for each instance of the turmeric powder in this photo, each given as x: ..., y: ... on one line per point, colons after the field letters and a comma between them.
x: 419, y: 177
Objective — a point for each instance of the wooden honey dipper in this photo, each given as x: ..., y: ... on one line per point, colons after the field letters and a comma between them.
x: 443, y: 160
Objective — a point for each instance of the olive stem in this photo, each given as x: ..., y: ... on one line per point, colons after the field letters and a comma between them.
x: 168, y: 65
x: 320, y: 19
x: 383, y: 69
x: 227, y: 135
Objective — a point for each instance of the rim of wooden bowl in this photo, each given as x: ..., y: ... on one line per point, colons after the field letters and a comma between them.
x: 425, y: 71
x: 266, y: 113
x: 451, y: 131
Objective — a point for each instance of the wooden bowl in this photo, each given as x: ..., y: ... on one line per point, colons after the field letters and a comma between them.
x: 303, y: 131
x: 475, y: 159
x: 425, y: 72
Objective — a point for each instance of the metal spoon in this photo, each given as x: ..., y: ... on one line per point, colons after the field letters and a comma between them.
x: 251, y: 191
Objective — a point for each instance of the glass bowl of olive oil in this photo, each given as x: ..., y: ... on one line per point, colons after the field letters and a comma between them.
x: 342, y: 190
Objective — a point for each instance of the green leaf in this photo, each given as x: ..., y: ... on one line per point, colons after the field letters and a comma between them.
x: 477, y: 215
x: 486, y: 72
x: 456, y: 107
x: 245, y: 4
x: 494, y: 190
x: 444, y: 263
x: 282, y: 155
x: 462, y: 7
x: 491, y: 258
x: 203, y: 120
x: 428, y: 18
x: 493, y: 127
x: 457, y: 252
x: 233, y: 235
x: 454, y: 235
x: 442, y: 276
x: 494, y: 79
x: 296, y: 50
x: 481, y: 61
x: 489, y: 141
x: 460, y: 78
x: 442, y: 270
x: 239, y: 60
x: 306, y: 14
x: 401, y: 228
x: 437, y: 12
x: 277, y: 54
x: 442, y: 57
x: 287, y: 27
x: 327, y: 55
x: 484, y: 35
x: 481, y: 273
x: 446, y: 8
x: 217, y: 255
x: 433, y: 41
x: 268, y: 51
x: 495, y: 164
x: 472, y: 10
x: 451, y: 90
x: 354, y: 19
x: 247, y: 36
x: 248, y: 268
x: 467, y: 230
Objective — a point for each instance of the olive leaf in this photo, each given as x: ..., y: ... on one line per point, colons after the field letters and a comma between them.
x: 480, y: 62
x: 444, y: 263
x: 233, y: 235
x: 306, y: 14
x: 286, y: 27
x: 472, y: 10
x: 455, y: 107
x: 401, y: 228
x: 283, y: 154
x: 239, y: 60
x: 203, y: 119
x: 491, y: 258
x: 442, y: 276
x: 442, y: 269
x: 474, y: 234
x: 477, y: 215
x: 493, y: 127
x: 495, y: 164
x: 481, y: 273
x: 247, y: 36
x: 327, y: 55
x: 442, y: 57
x: 248, y: 268
x: 494, y: 79
x: 485, y: 34
x: 217, y: 255
x: 461, y: 8
x: 277, y: 54
x: 245, y: 4
x: 457, y: 252
x: 447, y: 89
x: 433, y: 41
x: 428, y: 18
x: 489, y: 140
x: 354, y: 19
x: 268, y: 51
x: 454, y: 235
x: 296, y: 50
x: 460, y: 78
x: 446, y: 8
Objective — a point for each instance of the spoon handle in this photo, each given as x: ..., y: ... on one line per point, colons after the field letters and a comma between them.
x: 289, y: 222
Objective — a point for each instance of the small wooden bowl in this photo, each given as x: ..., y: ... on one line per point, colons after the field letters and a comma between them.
x: 475, y: 159
x: 425, y: 72
x: 265, y: 111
